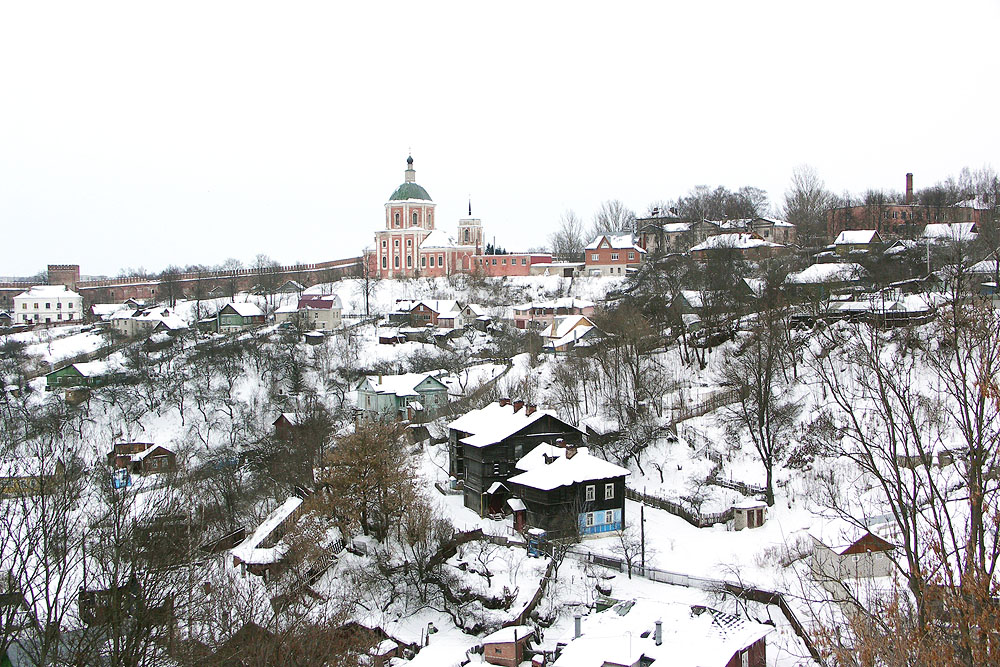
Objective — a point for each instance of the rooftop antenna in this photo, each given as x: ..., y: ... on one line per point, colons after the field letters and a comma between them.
x: 470, y: 206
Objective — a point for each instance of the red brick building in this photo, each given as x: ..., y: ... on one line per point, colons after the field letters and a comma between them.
x: 613, y: 255
x: 894, y: 219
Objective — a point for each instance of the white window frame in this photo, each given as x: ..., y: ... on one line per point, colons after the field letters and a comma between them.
x: 614, y: 257
x: 591, y: 493
x: 594, y: 257
x: 590, y: 520
x: 609, y: 517
x: 609, y: 491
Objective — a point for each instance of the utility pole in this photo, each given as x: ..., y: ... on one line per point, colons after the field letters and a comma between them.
x: 642, y: 529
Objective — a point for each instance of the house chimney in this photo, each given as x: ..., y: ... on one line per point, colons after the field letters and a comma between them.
x: 530, y: 409
x: 576, y: 626
x: 909, y: 188
x: 504, y: 402
x: 570, y: 451
x: 518, y: 404
x: 658, y: 633
x: 560, y: 443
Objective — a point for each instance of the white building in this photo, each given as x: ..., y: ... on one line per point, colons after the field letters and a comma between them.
x: 47, y: 304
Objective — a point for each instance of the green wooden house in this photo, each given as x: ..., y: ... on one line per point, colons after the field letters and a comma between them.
x: 85, y: 374
x: 406, y: 396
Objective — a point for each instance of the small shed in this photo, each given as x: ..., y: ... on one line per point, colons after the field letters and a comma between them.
x: 749, y: 514
x: 506, y: 646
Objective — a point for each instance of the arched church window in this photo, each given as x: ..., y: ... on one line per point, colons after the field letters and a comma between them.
x: 466, y: 235
x: 423, y: 261
x: 395, y: 261
x: 385, y: 263
x: 409, y: 261
x: 414, y: 218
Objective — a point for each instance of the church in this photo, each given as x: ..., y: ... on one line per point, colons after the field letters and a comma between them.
x: 411, y: 246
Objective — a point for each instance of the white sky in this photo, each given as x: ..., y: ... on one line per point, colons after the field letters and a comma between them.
x: 145, y: 134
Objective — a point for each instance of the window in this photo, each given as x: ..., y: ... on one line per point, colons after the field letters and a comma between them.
x: 504, y: 261
x: 432, y: 260
x: 48, y: 306
x: 59, y: 305
x: 397, y: 220
x: 494, y: 261
x: 593, y: 257
x: 385, y: 262
x: 609, y: 491
x: 590, y: 519
x: 395, y: 243
x: 383, y: 243
x: 498, y: 650
x: 745, y: 658
x: 524, y: 261
x: 609, y: 517
x: 591, y: 493
x: 395, y: 261
x: 409, y: 261
x: 71, y: 305
x: 414, y: 218
x: 24, y: 306
x: 631, y: 254
x: 36, y: 305
x: 614, y: 257
x: 409, y: 243
x: 440, y: 260
x: 59, y: 316
x: 423, y: 261
x: 429, y: 218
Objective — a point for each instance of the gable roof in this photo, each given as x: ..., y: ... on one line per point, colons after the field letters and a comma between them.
x: 244, y: 309
x: 495, y: 422
x: 443, y: 307
x: 615, y: 242
x: 438, y: 239
x: 400, y: 385
x: 840, y: 535
x: 583, y: 467
x: 249, y: 550
x: 950, y: 231
x: 737, y: 241
x: 320, y: 302
x: 857, y: 237
x: 826, y: 273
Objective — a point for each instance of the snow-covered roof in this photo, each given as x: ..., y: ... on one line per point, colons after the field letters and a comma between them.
x: 509, y: 634
x: 826, y: 273
x: 562, y: 325
x: 320, y: 302
x: 495, y: 422
x: 447, y: 308
x: 616, y: 242
x: 975, y: 203
x: 856, y: 237
x: 48, y: 291
x: 693, y: 636
x: 838, y: 534
x: 987, y: 266
x: 246, y: 309
x: 950, y: 231
x: 149, y: 450
x: 104, y: 310
x: 293, y: 418
x: 398, y: 385
x: 438, y: 239
x: 583, y: 467
x: 693, y: 297
x: 536, y: 457
x: 737, y: 241
x: 773, y: 221
x: 248, y: 550
x: 91, y: 368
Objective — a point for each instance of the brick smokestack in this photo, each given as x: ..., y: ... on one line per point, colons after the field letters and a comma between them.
x: 504, y: 402
x: 518, y: 404
x: 909, y: 188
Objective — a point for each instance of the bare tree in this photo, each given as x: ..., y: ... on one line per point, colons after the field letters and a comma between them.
x: 613, y: 217
x: 567, y: 241
x: 806, y: 202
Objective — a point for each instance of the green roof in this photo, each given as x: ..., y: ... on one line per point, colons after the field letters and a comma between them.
x: 409, y: 191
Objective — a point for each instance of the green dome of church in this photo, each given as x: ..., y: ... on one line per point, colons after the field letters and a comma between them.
x: 409, y: 191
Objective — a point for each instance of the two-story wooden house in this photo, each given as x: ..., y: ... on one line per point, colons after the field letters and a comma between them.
x: 568, y: 491
x: 485, y: 444
x: 237, y: 316
x: 401, y: 396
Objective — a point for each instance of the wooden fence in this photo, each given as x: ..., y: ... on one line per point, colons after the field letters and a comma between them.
x: 713, y: 402
x: 694, y: 518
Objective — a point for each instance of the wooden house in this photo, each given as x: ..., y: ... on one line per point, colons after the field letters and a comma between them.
x: 568, y: 332
x: 441, y: 313
x: 485, y: 444
x: 844, y: 550
x: 857, y: 241
x: 142, y: 458
x: 568, y: 491
x: 404, y: 396
x: 238, y: 316
x: 263, y: 549
x: 29, y: 476
x: 83, y: 374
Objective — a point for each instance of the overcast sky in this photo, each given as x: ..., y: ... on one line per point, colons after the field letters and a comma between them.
x: 146, y: 134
